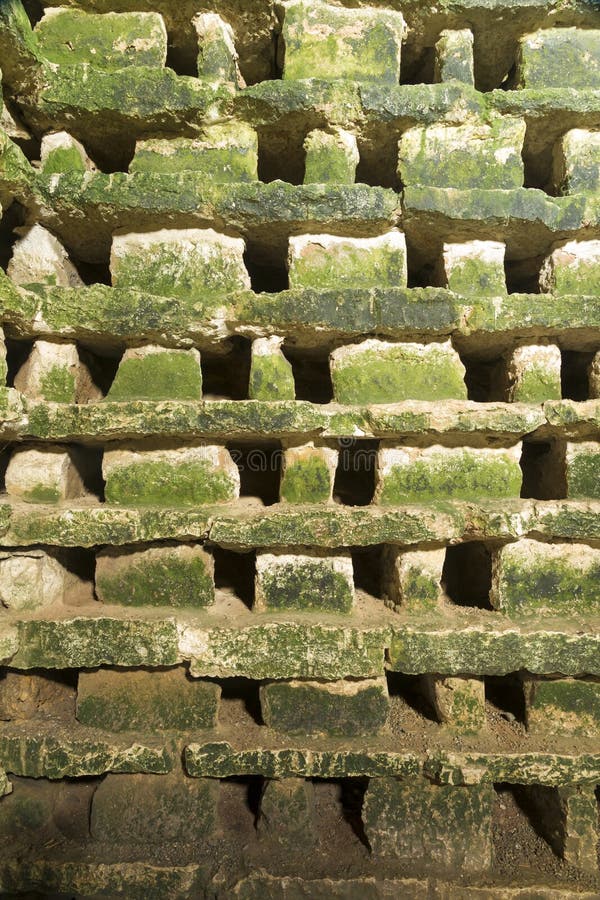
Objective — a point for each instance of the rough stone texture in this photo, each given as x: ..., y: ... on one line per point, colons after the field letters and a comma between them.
x: 157, y: 373
x: 476, y: 267
x: 61, y: 152
x: 550, y: 56
x: 594, y: 376
x: 569, y: 821
x: 454, y: 57
x: 217, y: 56
x: 271, y: 376
x: 287, y: 813
x: 576, y: 162
x: 39, y: 258
x: 324, y: 261
x: 308, y: 474
x: 532, y: 374
x: 330, y: 157
x: 43, y: 475
x: 562, y: 706
x: 32, y: 579
x: 226, y: 153
x: 25, y: 696
x: 412, y: 578
x: 572, y: 268
x: 54, y: 372
x: 458, y: 702
x: 304, y: 581
x: 582, y: 469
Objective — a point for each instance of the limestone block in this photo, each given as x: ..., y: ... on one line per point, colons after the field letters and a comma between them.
x: 38, y: 809
x: 553, y: 579
x: 412, y: 579
x: 475, y: 155
x: 154, y: 809
x: 532, y: 374
x: 183, y: 263
x: 331, y: 157
x: 330, y: 42
x: 39, y: 258
x: 454, y: 57
x: 164, y: 576
x: 308, y: 474
x: 43, y: 475
x: 146, y: 700
x: 415, y: 474
x: 328, y: 262
x: 414, y: 820
x: 582, y: 462
x: 475, y: 268
x: 184, y: 476
x: 576, y: 162
x: 341, y: 708
x: 304, y: 581
x: 287, y: 813
x: 222, y: 153
x: 594, y: 377
x: 559, y: 57
x: 217, y: 56
x: 572, y: 268
x: 568, y: 819
x: 106, y: 40
x: 562, y: 706
x: 54, y: 372
x: 26, y: 695
x: 31, y: 579
x: 60, y: 152
x: 271, y: 376
x: 3, y: 365
x: 459, y: 702
x: 157, y: 373
x: 382, y: 372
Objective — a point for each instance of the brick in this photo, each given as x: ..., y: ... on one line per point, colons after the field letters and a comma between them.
x: 308, y: 474
x: 310, y: 580
x: 43, y: 475
x: 582, y: 469
x: 532, y: 374
x: 327, y: 262
x: 54, y: 372
x: 475, y: 267
x: 568, y: 706
x: 556, y: 57
x: 32, y: 579
x: 412, y: 578
x: 157, y: 373
x: 331, y: 157
x: 287, y: 813
x: 61, y: 152
x: 459, y: 702
x: 576, y: 162
x: 223, y: 154
x: 217, y: 55
x: 454, y: 57
x: 271, y: 376
x: 572, y: 268
x: 39, y: 258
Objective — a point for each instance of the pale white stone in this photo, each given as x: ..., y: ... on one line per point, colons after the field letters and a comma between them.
x: 51, y: 469
x: 580, y: 259
x: 38, y: 257
x: 400, y: 566
x: 267, y: 346
x: 576, y: 156
x: 45, y: 357
x: 31, y: 579
x: 454, y: 56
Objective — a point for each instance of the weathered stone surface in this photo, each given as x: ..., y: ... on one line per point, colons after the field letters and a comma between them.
x: 342, y: 708
x: 32, y: 579
x: 323, y: 41
x: 330, y: 157
x: 217, y: 56
x: 54, y: 372
x: 271, y: 376
x: 287, y: 814
x: 533, y: 374
x: 325, y: 261
x: 44, y: 810
x: 576, y: 162
x: 454, y: 56
x: 43, y: 475
x: 458, y: 702
x: 61, y: 152
x: 562, y: 706
x: 39, y: 258
x: 308, y: 474
x: 572, y: 268
x: 568, y: 818
x: 177, y: 576
x: 582, y: 462
x: 29, y: 695
x: 412, y: 578
x: 222, y: 153
x: 157, y: 373
x: 304, y: 581
x: 594, y: 377
x: 475, y: 268
x: 550, y: 57
x: 145, y: 700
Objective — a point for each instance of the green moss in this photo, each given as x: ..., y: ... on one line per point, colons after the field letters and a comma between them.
x: 583, y: 475
x: 42, y: 493
x: 233, y: 164
x: 346, y: 266
x: 58, y: 385
x: 421, y: 592
x: 312, y: 709
x: 328, y: 163
x: 575, y: 280
x: 578, y: 697
x: 549, y: 584
x: 63, y: 159
x: 477, y: 277
x: 306, y: 481
x: 271, y: 378
x: 162, y: 484
x: 306, y: 585
x: 536, y: 385
x: 172, y: 582
x: 556, y: 57
x: 168, y: 375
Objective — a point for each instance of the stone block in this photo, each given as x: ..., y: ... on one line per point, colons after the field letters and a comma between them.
x: 183, y: 263
x: 178, y: 576
x: 475, y: 155
x: 157, y: 373
x: 532, y: 374
x: 412, y: 579
x: 594, y: 377
x: 224, y: 154
x: 217, y: 56
x: 54, y: 372
x: 3, y: 365
x: 183, y: 476
x: 454, y: 57
x: 27, y: 695
x: 32, y: 579
x: 304, y: 581
x: 331, y: 157
x: 154, y: 809
x: 308, y: 474
x: 572, y: 268
x: 568, y: 706
x: 558, y: 58
x: 582, y: 470
x: 60, y: 152
x: 38, y: 809
x: 43, y: 475
x: 271, y: 376
x: 330, y: 42
x: 338, y: 708
x: 39, y: 258
x: 576, y: 162
x: 474, y: 268
x: 531, y: 577
x: 287, y: 813
x: 106, y: 40
x: 416, y: 474
x: 567, y: 817
x: 146, y: 700
x: 377, y: 371
x: 327, y: 262
x: 459, y: 702
x: 414, y: 820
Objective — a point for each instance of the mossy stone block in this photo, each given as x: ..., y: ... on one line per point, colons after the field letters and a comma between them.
x: 572, y: 268
x: 562, y: 706
x: 44, y: 474
x: 145, y: 700
x: 454, y: 57
x: 558, y: 58
x: 55, y: 372
x: 533, y: 374
x: 157, y: 373
x: 222, y: 153
x: 271, y: 376
x: 475, y: 268
x: 583, y: 470
x: 331, y: 157
x: 327, y: 262
x: 308, y: 474
x: 567, y: 816
x: 412, y: 579
x: 60, y: 152
x: 459, y: 702
x: 304, y: 581
x: 576, y: 162
x: 217, y: 56
x: 339, y: 708
x: 287, y: 814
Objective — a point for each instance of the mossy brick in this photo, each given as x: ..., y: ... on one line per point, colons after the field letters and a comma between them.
x: 534, y: 578
x: 415, y: 474
x: 454, y: 57
x: 328, y: 262
x: 44, y: 474
x: 337, y: 708
x: 459, y: 701
x: 304, y: 581
x: 308, y: 474
x: 475, y: 268
x: 107, y: 41
x: 217, y: 55
x: 330, y: 157
x: 576, y: 162
x: 145, y: 700
x: 413, y: 820
x: 533, y: 373
x: 39, y: 258
x: 226, y: 153
x: 287, y: 813
x: 180, y: 263
x: 377, y: 371
x: 572, y: 268
x: 582, y: 469
x: 32, y: 580
x: 55, y: 373
x: 182, y: 476
x: 412, y: 579
x: 330, y: 42
x: 271, y: 376
x: 475, y: 155
x: 171, y: 576
x: 153, y: 809
x: 152, y: 372
x: 559, y: 57
x: 60, y: 152
x: 562, y: 706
